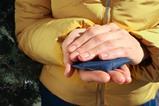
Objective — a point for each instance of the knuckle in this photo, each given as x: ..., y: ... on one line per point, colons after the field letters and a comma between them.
x: 94, y: 51
x: 114, y: 25
x: 110, y: 43
x: 98, y: 39
x: 76, y: 43
x: 81, y: 50
x: 91, y: 32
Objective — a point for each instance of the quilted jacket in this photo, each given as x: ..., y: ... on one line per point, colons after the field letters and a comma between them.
x: 41, y: 24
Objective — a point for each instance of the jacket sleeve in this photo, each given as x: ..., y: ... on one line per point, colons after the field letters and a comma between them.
x: 148, y: 70
x: 38, y: 32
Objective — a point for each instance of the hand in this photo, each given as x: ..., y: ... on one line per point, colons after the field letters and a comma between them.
x: 119, y: 76
x: 70, y: 38
x: 108, y: 42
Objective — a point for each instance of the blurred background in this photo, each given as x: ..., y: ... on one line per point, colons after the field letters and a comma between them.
x: 18, y: 74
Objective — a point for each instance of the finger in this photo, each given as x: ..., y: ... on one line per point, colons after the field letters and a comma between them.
x: 117, y: 76
x: 98, y: 44
x: 66, y: 59
x: 73, y: 56
x: 82, y: 51
x: 68, y: 72
x: 90, y: 32
x: 126, y: 72
x: 114, y: 53
x: 95, y: 76
x: 97, y: 40
x: 72, y: 36
x: 98, y: 50
x: 67, y: 69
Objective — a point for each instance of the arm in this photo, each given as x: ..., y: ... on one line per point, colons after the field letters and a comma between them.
x: 121, y: 44
x: 148, y: 70
x: 38, y: 32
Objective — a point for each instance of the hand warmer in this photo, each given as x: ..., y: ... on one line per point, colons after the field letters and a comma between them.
x: 104, y: 65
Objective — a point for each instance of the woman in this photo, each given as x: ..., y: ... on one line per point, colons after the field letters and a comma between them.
x: 132, y: 32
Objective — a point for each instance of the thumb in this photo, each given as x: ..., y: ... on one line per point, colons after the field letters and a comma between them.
x: 67, y: 64
x: 68, y: 70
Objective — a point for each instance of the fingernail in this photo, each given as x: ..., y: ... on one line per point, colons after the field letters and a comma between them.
x: 72, y: 48
x: 85, y: 55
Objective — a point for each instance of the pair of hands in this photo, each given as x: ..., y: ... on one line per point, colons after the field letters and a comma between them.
x: 107, y: 42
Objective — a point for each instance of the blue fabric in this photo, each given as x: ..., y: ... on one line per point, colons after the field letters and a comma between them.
x: 104, y: 65
x: 152, y: 102
x: 48, y: 99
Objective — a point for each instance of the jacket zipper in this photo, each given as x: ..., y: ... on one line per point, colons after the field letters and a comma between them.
x: 100, y: 97
x: 107, y: 16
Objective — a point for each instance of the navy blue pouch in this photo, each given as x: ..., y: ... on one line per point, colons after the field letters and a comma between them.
x: 104, y: 65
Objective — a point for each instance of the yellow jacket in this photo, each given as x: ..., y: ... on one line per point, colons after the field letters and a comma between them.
x: 40, y: 24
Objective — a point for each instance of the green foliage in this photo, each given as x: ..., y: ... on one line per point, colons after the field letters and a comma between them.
x: 18, y: 74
